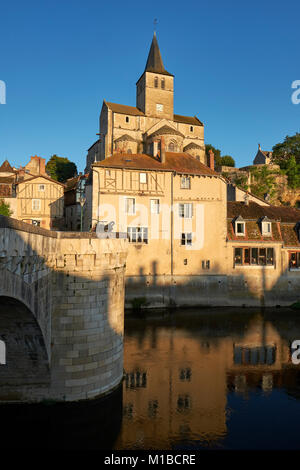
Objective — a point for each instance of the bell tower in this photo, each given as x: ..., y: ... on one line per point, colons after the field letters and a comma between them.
x: 155, y: 88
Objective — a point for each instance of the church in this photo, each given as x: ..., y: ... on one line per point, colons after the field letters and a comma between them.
x: 189, y: 244
x: 151, y: 125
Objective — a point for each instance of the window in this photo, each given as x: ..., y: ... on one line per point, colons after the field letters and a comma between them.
x: 186, y: 239
x: 191, y: 129
x: 154, y: 206
x: 185, y: 182
x: 107, y: 173
x: 172, y: 147
x: 127, y: 119
x: 159, y: 107
x: 186, y: 210
x: 41, y: 187
x: 206, y: 264
x: 36, y: 204
x: 294, y: 259
x: 130, y: 206
x: 240, y: 228
x: 156, y: 82
x: 143, y: 178
x: 137, y: 234
x: 254, y: 256
x: 266, y: 229
x: 162, y: 83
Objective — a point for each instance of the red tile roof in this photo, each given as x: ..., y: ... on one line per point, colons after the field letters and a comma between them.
x: 179, y: 162
x: 254, y: 211
x: 6, y: 167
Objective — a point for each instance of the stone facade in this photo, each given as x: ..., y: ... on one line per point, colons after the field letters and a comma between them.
x: 73, y: 285
x: 142, y: 129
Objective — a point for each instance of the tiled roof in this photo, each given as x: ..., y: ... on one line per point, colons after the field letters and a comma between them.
x: 254, y: 211
x: 284, y: 223
x: 6, y: 167
x: 289, y: 235
x: 124, y: 109
x: 41, y: 176
x: 188, y: 120
x: 154, y: 61
x: 179, y: 162
x: 134, y: 111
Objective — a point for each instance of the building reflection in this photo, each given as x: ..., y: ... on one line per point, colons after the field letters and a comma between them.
x: 178, y: 378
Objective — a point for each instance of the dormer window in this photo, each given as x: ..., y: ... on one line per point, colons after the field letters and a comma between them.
x: 266, y: 227
x: 240, y: 227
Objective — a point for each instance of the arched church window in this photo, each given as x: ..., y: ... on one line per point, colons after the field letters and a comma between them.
x: 198, y: 157
x: 163, y: 83
x: 172, y: 147
x: 129, y: 151
x: 156, y: 82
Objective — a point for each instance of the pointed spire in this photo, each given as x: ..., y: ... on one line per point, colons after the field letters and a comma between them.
x: 154, y: 61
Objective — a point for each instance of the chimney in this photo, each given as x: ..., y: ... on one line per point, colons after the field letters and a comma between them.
x: 42, y: 166
x: 211, y: 159
x: 162, y: 150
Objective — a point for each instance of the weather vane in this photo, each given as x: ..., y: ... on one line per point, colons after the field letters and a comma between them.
x: 155, y: 23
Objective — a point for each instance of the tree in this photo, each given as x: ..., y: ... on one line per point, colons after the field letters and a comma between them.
x: 293, y: 173
x: 227, y: 160
x: 263, y: 182
x: 286, y: 149
x: 60, y: 168
x: 5, y: 208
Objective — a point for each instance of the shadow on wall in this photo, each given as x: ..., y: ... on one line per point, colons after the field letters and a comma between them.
x: 66, y: 341
x: 258, y: 287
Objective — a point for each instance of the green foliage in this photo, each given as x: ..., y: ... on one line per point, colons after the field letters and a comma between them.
x: 241, y: 181
x: 5, y: 209
x: 227, y: 160
x: 60, y: 168
x: 286, y: 149
x: 293, y: 173
x: 263, y: 182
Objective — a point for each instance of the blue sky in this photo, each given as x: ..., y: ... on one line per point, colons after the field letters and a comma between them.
x: 234, y: 63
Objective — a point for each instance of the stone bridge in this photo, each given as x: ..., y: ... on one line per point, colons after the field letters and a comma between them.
x: 67, y: 342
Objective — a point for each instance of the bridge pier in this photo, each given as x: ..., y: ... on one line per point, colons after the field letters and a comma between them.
x: 73, y: 284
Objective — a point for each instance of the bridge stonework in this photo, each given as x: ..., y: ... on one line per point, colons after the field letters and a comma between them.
x: 73, y: 284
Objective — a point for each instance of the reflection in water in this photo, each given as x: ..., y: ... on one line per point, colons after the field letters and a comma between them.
x: 212, y: 380
x: 193, y: 379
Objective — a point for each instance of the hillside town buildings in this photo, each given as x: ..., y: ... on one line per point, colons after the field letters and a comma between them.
x: 32, y: 195
x: 194, y: 238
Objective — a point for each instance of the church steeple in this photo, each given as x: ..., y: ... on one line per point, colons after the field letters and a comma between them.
x: 154, y: 62
x: 155, y: 88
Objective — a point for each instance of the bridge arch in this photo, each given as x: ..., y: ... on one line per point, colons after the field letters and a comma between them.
x: 35, y: 296
x: 25, y: 372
